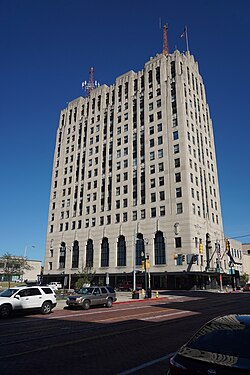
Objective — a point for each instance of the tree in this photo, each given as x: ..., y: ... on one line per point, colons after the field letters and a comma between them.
x: 244, y: 278
x: 13, y: 265
x: 86, y: 277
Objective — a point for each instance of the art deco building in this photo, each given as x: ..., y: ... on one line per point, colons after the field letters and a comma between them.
x: 135, y: 175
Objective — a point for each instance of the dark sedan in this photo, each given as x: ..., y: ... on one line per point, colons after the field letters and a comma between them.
x: 220, y: 347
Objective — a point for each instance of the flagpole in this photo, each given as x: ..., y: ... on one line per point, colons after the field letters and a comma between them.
x: 186, y: 34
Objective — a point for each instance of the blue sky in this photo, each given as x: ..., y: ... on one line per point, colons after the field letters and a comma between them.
x: 47, y: 48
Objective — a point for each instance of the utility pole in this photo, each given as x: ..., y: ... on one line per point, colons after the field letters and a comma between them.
x: 134, y: 271
x: 217, y: 248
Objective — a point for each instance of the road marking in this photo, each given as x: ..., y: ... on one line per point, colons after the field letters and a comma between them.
x: 130, y: 316
x: 171, y: 314
x: 146, y: 364
x: 112, y: 310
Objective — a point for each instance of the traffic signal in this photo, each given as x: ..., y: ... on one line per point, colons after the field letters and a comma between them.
x: 183, y: 257
x: 227, y: 245
x: 200, y: 247
x: 208, y: 242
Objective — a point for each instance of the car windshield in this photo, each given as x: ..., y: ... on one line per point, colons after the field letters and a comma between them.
x: 8, y: 292
x: 224, y: 340
x: 86, y: 291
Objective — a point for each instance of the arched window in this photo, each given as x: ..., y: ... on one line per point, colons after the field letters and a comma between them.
x: 160, y: 253
x: 105, y: 253
x: 140, y: 248
x: 75, y: 254
x: 89, y: 253
x: 121, y: 251
x: 62, y: 255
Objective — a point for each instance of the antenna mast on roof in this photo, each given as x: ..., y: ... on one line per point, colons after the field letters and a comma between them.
x: 165, y: 40
x: 91, y: 84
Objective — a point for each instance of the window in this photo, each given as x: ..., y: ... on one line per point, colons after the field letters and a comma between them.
x: 143, y: 214
x: 160, y: 140
x: 105, y: 253
x: 75, y: 254
x: 151, y: 118
x: 177, y: 162
x: 159, y: 244
x: 152, y: 182
x: 162, y: 195
x: 158, y: 103
x: 177, y: 242
x: 134, y: 215
x: 162, y: 211
x: 160, y: 153
x: 179, y: 208
x: 161, y: 167
x: 121, y: 251
x: 151, y: 142
x: 153, y: 197
x: 89, y: 253
x: 153, y: 212
x: 161, y: 181
x: 152, y: 155
x: 159, y: 127
x: 175, y: 135
x: 176, y: 149
x: 178, y: 177
x: 152, y: 169
x: 178, y: 192
x: 159, y: 115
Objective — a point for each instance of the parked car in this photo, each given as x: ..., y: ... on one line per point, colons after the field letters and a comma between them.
x: 92, y: 296
x: 55, y: 285
x: 220, y: 347
x: 27, y: 298
x: 246, y: 288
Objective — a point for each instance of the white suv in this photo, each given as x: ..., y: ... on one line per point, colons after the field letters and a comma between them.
x: 55, y: 285
x: 25, y: 298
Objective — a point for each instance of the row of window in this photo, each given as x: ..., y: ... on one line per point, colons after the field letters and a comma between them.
x: 154, y: 212
x: 121, y: 253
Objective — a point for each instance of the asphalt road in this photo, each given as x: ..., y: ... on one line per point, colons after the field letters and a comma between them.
x: 129, y: 338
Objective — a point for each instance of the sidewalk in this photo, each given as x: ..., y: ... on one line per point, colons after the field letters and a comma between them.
x: 122, y: 297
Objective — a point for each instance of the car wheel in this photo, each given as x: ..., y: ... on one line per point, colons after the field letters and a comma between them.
x: 5, y: 311
x: 109, y: 302
x: 86, y: 305
x: 46, y: 308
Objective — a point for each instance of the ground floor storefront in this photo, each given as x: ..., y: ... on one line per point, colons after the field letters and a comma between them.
x: 164, y: 280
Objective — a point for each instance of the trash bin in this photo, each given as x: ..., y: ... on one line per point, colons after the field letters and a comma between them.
x: 135, y: 294
x: 149, y: 293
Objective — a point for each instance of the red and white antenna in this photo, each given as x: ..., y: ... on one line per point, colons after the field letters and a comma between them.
x: 165, y: 40
x: 91, y: 84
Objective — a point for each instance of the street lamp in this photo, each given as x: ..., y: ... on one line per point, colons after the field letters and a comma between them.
x: 26, y: 248
x: 145, y: 241
x: 144, y: 259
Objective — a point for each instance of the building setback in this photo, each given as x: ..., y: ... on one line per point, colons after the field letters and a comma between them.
x: 135, y: 175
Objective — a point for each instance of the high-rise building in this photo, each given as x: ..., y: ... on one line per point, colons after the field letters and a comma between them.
x: 135, y: 177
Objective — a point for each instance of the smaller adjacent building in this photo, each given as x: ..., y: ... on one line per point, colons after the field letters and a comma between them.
x: 32, y: 274
x: 246, y: 257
